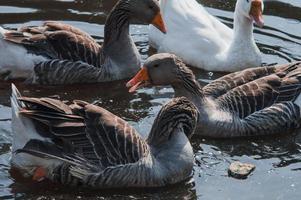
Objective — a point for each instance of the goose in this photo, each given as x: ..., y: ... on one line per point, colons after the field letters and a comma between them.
x: 58, y: 53
x: 82, y: 144
x: 253, y: 102
x: 204, y: 42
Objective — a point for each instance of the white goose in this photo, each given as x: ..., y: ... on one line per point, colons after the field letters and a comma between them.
x: 202, y: 41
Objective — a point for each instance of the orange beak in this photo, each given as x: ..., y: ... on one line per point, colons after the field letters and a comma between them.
x: 256, y: 12
x: 141, y: 79
x: 159, y: 23
x: 39, y: 174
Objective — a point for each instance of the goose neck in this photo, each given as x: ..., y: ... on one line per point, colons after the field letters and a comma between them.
x: 118, y: 43
x: 117, y: 25
x: 119, y: 55
x: 243, y: 27
x: 191, y: 91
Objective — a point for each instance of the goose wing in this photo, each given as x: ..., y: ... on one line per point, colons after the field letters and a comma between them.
x: 278, y: 118
x: 222, y: 85
x: 114, y: 140
x: 59, y: 72
x: 94, y: 134
x: 282, y: 86
x: 57, y: 40
x: 268, y: 105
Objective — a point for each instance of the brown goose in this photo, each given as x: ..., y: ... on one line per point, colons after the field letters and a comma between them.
x: 83, y: 144
x: 57, y: 53
x: 254, y: 102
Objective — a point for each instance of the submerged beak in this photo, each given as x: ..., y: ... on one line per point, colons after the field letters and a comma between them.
x: 159, y: 23
x: 39, y: 174
x: 141, y: 79
x: 256, y: 12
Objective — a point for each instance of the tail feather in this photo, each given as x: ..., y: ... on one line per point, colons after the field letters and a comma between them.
x: 80, y: 173
x: 298, y: 102
x: 16, y: 104
x: 2, y: 32
x: 46, y: 154
x: 47, y: 150
x: 22, y: 127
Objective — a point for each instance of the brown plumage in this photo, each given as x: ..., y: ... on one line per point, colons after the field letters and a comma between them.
x: 254, y: 102
x: 83, y: 144
x: 56, y: 40
x: 56, y: 53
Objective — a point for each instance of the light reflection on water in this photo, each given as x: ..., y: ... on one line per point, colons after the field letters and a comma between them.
x: 277, y: 159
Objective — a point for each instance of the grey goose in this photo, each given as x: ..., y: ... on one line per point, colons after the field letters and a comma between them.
x: 253, y: 102
x: 57, y: 53
x: 81, y: 144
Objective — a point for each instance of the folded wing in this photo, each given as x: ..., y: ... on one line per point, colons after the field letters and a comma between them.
x: 56, y: 40
x: 92, y: 133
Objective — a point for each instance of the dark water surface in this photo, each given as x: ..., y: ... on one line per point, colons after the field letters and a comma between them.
x: 277, y: 159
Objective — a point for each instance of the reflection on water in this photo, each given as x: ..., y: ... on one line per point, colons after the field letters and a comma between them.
x: 277, y: 159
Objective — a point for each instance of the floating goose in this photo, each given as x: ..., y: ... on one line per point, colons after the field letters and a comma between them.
x: 83, y: 144
x: 254, y: 102
x: 202, y: 41
x: 57, y: 53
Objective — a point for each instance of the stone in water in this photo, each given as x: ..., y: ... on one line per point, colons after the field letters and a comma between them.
x: 240, y: 170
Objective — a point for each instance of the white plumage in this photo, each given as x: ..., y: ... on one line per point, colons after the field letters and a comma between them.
x: 202, y: 41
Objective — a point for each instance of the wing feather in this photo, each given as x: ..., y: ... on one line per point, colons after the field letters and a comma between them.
x: 94, y: 133
x: 282, y: 86
x: 56, y: 40
x: 222, y: 85
x: 57, y: 72
x: 122, y: 142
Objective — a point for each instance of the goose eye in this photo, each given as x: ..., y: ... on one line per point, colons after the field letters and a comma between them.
x: 156, y: 65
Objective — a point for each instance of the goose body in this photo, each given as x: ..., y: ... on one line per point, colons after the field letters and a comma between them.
x: 83, y: 144
x: 202, y: 41
x: 57, y: 53
x: 253, y: 102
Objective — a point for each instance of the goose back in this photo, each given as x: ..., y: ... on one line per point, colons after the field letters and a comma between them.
x: 83, y: 144
x: 100, y: 136
x: 258, y: 101
x: 57, y: 40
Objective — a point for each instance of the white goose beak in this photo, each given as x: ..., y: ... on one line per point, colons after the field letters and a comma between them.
x: 256, y: 12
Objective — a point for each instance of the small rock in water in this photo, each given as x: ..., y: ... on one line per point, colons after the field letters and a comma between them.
x: 240, y: 170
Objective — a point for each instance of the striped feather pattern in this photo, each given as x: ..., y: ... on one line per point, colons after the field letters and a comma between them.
x: 172, y: 115
x: 117, y: 20
x: 260, y: 101
x: 74, y: 56
x: 251, y: 97
x: 281, y: 86
x: 114, y: 140
x: 56, y: 72
x: 276, y: 119
x: 177, y: 113
x: 87, y: 145
x: 188, y: 79
x: 233, y: 105
x: 100, y: 136
x: 58, y: 40
x: 228, y: 82
x: 136, y: 175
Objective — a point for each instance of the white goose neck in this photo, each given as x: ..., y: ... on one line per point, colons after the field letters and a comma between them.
x: 243, y: 27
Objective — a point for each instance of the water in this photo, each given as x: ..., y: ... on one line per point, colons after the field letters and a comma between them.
x: 277, y: 159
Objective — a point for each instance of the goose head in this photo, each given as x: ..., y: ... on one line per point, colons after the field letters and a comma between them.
x: 146, y: 11
x: 163, y: 69
x: 252, y: 10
